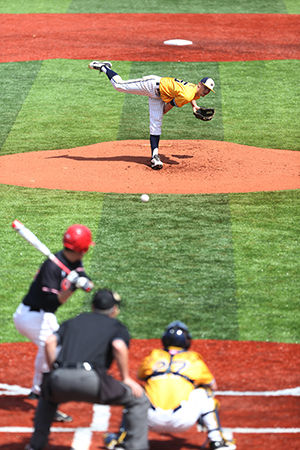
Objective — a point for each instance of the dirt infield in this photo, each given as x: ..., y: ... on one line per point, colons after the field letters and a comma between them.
x: 261, y: 367
x: 258, y: 382
x: 140, y: 37
x: 190, y: 167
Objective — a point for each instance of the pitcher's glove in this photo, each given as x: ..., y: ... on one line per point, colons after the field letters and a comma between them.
x: 204, y: 113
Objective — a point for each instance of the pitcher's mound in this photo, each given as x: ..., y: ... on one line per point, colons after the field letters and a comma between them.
x: 190, y: 167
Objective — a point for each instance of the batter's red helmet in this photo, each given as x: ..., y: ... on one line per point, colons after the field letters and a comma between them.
x: 78, y: 238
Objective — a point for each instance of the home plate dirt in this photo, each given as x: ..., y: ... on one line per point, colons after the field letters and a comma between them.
x: 262, y: 410
x: 190, y: 167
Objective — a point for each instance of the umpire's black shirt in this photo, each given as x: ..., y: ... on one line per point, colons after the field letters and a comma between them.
x: 88, y: 337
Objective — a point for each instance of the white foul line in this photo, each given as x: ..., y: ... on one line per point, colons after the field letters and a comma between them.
x: 101, y: 415
x: 83, y: 436
x: 8, y: 389
x: 238, y: 430
x: 262, y: 430
x: 13, y: 389
x: 82, y: 439
x: 293, y: 392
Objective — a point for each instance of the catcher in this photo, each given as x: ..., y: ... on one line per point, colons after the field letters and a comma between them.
x: 164, y: 93
x: 180, y: 388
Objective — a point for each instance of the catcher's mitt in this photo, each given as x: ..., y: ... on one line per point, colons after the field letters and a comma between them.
x: 204, y: 113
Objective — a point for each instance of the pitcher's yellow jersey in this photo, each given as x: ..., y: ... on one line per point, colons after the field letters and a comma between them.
x: 181, y: 92
x: 170, y: 376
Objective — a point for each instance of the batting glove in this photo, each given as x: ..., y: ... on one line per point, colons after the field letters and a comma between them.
x: 73, y: 281
x: 70, y: 281
x: 85, y: 284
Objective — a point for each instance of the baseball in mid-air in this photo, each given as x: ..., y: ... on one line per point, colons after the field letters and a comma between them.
x: 145, y: 198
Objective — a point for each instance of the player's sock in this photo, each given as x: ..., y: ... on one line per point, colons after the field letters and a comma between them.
x: 154, y: 142
x: 110, y: 73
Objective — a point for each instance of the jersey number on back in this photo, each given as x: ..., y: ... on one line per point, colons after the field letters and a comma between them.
x: 173, y: 367
x: 181, y: 81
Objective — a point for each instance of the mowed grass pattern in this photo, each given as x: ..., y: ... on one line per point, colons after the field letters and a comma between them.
x: 63, y: 104
x: 228, y: 265
x: 207, y: 259
x: 151, y: 6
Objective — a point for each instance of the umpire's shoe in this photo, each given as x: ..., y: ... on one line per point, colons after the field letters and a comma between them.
x: 156, y: 163
x: 97, y: 65
x: 62, y: 417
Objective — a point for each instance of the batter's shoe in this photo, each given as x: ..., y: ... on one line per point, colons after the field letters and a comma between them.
x: 97, y: 65
x: 62, y: 417
x: 221, y: 445
x: 156, y: 163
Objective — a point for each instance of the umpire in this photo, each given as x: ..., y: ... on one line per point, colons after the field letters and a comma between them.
x: 88, y: 343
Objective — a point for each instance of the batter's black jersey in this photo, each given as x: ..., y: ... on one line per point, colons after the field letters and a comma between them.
x: 88, y: 337
x: 46, y: 285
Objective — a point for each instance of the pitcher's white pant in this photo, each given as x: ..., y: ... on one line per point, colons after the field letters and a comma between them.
x: 199, y: 403
x: 36, y: 326
x: 148, y: 86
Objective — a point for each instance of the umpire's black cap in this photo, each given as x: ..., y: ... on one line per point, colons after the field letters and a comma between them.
x: 106, y: 299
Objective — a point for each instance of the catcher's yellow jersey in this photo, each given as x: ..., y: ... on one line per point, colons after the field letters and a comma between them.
x: 181, y: 92
x: 170, y: 376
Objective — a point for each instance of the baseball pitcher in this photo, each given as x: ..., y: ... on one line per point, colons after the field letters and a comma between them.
x: 164, y: 93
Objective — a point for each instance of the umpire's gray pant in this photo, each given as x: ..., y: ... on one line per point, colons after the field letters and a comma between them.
x: 64, y: 385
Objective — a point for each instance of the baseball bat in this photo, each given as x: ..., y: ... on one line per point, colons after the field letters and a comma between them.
x: 36, y: 243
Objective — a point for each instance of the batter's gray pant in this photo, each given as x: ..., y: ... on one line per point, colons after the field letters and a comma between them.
x: 78, y: 384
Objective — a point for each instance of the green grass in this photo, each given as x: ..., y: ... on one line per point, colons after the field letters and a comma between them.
x: 65, y: 105
x: 47, y: 213
x: 178, y: 264
x: 16, y: 82
x: 259, y: 103
x: 177, y: 6
x: 151, y: 6
x: 265, y: 234
x: 64, y: 108
x: 228, y: 265
x: 225, y: 264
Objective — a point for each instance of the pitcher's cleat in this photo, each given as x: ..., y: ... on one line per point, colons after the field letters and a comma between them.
x: 97, y: 65
x: 156, y: 163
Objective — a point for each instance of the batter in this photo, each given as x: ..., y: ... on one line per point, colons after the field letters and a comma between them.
x: 35, y: 316
x: 163, y: 92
